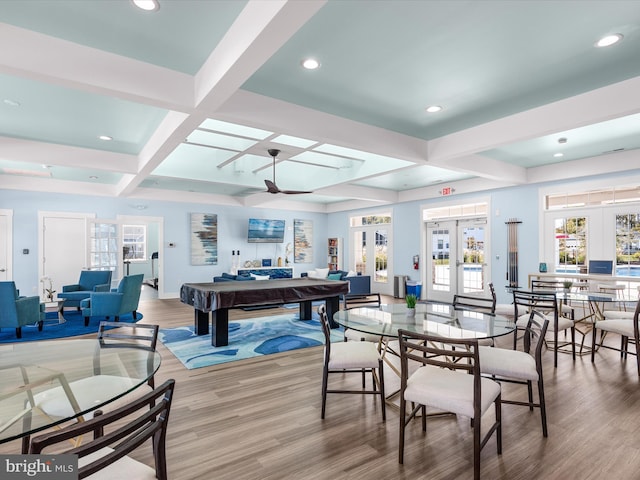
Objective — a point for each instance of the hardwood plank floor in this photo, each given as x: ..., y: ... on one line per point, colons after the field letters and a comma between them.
x: 260, y: 419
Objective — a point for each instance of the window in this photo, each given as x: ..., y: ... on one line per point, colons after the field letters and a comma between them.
x: 627, y: 243
x: 134, y: 243
x: 570, y: 244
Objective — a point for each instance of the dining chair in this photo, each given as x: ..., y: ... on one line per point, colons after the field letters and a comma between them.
x: 449, y: 380
x: 350, y: 357
x: 546, y: 303
x: 106, y: 455
x: 105, y: 382
x: 627, y: 328
x: 521, y: 366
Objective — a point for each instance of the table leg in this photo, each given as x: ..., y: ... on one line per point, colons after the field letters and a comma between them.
x: 306, y: 308
x: 201, y: 322
x: 220, y: 327
x: 333, y: 305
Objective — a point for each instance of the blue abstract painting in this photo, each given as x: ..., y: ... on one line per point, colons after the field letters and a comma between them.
x: 204, y: 239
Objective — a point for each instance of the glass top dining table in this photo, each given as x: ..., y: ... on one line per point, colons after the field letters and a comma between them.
x: 30, y: 368
x: 430, y: 318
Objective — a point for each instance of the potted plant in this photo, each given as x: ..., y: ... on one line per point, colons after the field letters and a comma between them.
x: 567, y: 284
x: 411, y: 300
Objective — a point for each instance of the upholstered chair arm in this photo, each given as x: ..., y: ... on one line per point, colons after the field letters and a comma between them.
x: 103, y: 303
x: 28, y: 309
x: 102, y: 288
x: 72, y: 288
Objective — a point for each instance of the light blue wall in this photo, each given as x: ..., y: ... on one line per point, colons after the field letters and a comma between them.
x: 176, y: 261
x: 515, y: 202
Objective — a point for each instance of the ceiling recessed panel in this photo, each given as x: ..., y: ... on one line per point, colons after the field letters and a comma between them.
x: 179, y: 36
x: 203, y: 137
x: 54, y: 114
x: 235, y: 129
x: 415, y: 177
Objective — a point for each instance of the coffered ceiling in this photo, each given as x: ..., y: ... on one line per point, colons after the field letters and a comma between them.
x: 194, y: 94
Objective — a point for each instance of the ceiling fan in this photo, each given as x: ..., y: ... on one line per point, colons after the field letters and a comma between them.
x: 271, y: 186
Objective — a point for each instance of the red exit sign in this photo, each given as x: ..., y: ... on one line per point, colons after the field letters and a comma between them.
x: 447, y: 191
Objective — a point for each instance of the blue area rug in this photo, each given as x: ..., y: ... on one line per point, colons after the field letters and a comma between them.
x: 73, y: 326
x: 247, y: 338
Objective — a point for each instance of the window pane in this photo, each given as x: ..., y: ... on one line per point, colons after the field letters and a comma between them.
x: 570, y: 244
x: 628, y: 244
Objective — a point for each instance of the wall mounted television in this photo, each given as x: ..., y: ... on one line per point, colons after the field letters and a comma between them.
x: 265, y: 231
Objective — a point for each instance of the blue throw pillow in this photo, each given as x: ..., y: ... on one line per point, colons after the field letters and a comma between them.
x: 228, y: 275
x: 335, y: 276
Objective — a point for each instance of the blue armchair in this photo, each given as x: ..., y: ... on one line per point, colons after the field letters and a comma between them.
x: 117, y: 302
x: 90, y: 281
x: 16, y: 311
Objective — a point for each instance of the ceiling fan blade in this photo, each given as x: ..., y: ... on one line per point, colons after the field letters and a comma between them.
x: 293, y: 192
x: 271, y: 187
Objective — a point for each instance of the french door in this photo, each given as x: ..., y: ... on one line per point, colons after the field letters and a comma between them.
x: 371, y: 255
x: 456, y: 258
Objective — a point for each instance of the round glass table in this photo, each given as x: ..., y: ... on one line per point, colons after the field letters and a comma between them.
x: 30, y: 371
x: 430, y: 318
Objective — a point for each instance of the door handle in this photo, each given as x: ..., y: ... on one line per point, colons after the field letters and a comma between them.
x: 2, y: 270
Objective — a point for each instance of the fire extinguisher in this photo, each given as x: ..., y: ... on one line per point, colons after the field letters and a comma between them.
x: 416, y: 262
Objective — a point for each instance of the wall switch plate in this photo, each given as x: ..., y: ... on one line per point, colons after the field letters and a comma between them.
x: 25, y: 251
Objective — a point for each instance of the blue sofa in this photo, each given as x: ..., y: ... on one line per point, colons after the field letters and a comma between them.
x: 228, y: 277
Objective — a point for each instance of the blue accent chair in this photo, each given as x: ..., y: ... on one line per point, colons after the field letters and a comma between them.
x: 90, y: 281
x: 17, y: 311
x: 117, y: 302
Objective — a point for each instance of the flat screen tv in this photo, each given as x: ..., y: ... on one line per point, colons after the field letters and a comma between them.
x: 265, y: 231
x: 600, y: 267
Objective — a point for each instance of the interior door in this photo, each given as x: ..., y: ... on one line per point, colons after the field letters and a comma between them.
x: 456, y: 258
x: 371, y: 255
x: 6, y: 236
x: 63, y: 247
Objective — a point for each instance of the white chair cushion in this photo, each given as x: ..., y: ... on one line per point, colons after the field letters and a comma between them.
x: 618, y: 315
x: 563, y: 323
x: 356, y: 336
x: 448, y: 390
x: 88, y: 392
x: 126, y: 467
x: 507, y: 363
x: 353, y: 355
x: 322, y: 272
x: 621, y: 327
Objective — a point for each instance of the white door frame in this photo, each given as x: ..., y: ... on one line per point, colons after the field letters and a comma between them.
x: 6, y: 257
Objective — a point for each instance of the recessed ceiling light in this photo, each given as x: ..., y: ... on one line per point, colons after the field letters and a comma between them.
x: 147, y: 5
x: 11, y: 103
x: 609, y: 40
x: 562, y: 140
x: 105, y: 138
x: 93, y: 177
x: 433, y: 109
x: 310, y: 63
x: 557, y: 155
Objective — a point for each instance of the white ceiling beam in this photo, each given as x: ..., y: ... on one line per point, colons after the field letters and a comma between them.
x: 357, y: 192
x: 489, y: 168
x: 613, y: 101
x: 51, y: 60
x: 29, y: 151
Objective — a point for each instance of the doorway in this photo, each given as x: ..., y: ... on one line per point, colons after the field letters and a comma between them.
x: 371, y: 255
x: 456, y: 260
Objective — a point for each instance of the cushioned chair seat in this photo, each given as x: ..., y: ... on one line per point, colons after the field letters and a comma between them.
x: 55, y: 403
x: 354, y: 355
x: 449, y: 391
x: 621, y: 327
x: 126, y: 467
x: 507, y: 363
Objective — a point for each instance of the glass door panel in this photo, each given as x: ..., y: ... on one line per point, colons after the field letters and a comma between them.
x: 473, y: 257
x: 440, y: 280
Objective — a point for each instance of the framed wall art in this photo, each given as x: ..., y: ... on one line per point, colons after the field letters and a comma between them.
x: 204, y: 239
x: 302, y: 241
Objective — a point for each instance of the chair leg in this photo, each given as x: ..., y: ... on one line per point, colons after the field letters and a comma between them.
x: 573, y: 342
x: 476, y: 448
x: 403, y: 424
x: 40, y: 325
x: 325, y: 375
x: 135, y: 315
x: 383, y: 400
x: 624, y: 344
x: 498, y: 407
x: 19, y: 332
x: 86, y: 321
x: 543, y: 408
x: 530, y: 391
x: 593, y: 343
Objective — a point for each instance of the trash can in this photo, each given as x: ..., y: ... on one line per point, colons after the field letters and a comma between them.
x: 414, y: 288
x: 399, y: 285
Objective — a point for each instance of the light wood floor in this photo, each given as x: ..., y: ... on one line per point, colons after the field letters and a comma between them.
x: 260, y: 419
